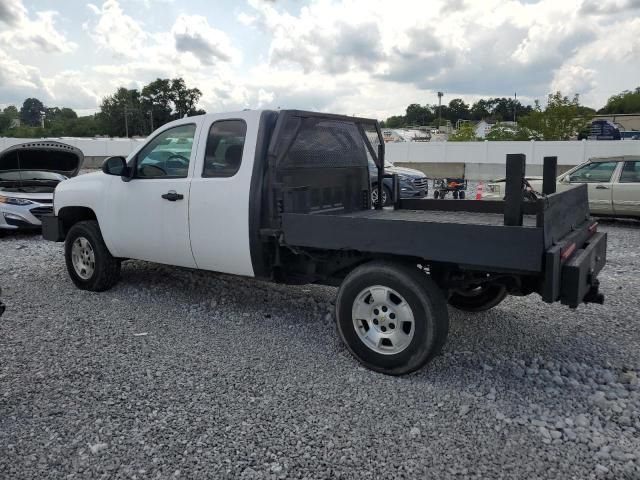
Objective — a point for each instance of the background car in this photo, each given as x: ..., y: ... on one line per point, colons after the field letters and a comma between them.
x: 29, y: 174
x: 413, y: 183
x: 613, y: 184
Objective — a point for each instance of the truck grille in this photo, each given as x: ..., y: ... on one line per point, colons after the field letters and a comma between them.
x: 420, y: 182
x: 38, y: 212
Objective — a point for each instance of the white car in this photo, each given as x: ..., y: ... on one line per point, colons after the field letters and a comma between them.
x: 29, y: 174
x: 613, y: 183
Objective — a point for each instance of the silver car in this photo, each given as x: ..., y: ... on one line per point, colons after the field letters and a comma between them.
x: 613, y: 184
x: 29, y: 173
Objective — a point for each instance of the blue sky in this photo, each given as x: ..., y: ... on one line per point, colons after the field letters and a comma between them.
x: 364, y: 57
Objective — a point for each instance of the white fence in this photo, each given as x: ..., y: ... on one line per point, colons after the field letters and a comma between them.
x: 568, y: 153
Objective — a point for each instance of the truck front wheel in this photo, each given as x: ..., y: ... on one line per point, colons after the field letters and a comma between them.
x: 392, y: 317
x: 478, y: 299
x: 89, y: 263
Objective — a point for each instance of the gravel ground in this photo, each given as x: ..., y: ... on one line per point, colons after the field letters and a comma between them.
x: 182, y: 374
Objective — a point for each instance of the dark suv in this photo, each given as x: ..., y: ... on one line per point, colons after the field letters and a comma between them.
x: 413, y: 183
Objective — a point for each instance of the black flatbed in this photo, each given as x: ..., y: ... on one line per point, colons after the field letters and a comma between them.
x: 439, y: 216
x: 471, y: 239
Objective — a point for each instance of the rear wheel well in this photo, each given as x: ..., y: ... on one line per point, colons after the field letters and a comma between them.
x: 69, y: 216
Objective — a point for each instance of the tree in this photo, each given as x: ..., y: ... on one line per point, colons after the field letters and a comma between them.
x: 560, y: 119
x: 418, y: 115
x: 502, y: 132
x: 458, y: 110
x: 624, y: 102
x: 121, y: 113
x: 396, y: 121
x: 466, y: 133
x: 31, y: 112
x: 480, y: 110
x: 7, y: 116
x: 164, y: 100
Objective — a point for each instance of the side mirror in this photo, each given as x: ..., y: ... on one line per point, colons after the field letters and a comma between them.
x: 115, y: 166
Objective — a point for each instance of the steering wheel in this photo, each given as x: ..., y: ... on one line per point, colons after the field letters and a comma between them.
x: 153, y: 171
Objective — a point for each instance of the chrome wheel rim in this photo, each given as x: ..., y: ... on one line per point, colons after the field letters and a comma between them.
x: 83, y: 258
x: 383, y: 320
x: 374, y: 196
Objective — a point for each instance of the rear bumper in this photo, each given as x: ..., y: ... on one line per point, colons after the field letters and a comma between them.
x: 52, y: 228
x: 575, y: 281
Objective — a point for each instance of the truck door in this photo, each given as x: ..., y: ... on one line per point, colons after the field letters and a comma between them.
x: 626, y: 191
x: 148, y: 216
x: 219, y: 204
x: 598, y: 177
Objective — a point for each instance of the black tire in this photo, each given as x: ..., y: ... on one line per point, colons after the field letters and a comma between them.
x: 484, y: 299
x: 107, y: 268
x: 461, y: 195
x: 428, y: 307
x: 455, y: 194
x: 386, y: 193
x: 436, y: 194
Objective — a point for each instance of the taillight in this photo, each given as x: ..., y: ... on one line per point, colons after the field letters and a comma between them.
x: 567, y: 251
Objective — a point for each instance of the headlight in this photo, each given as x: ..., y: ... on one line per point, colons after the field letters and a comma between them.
x: 15, y: 201
x: 403, y: 178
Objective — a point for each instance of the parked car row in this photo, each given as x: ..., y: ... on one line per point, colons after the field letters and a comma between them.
x: 613, y: 184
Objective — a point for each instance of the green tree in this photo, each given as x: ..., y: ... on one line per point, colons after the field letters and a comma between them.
x: 164, y: 100
x: 31, y: 112
x: 121, y: 113
x: 7, y: 116
x: 396, y: 121
x: 625, y: 102
x: 559, y: 120
x: 466, y: 133
x: 418, y: 115
x: 458, y: 110
x: 502, y: 132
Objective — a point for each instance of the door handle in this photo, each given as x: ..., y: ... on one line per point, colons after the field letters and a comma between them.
x: 172, y: 196
x: 602, y: 187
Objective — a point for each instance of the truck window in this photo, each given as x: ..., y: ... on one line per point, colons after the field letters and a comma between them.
x: 225, y: 144
x: 597, y: 172
x: 168, y: 154
x: 630, y: 172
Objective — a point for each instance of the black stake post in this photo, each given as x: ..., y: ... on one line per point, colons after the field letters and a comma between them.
x: 380, y: 185
x: 513, y: 190
x: 549, y: 174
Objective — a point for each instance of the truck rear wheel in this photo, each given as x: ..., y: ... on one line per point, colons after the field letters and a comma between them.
x: 89, y: 263
x: 392, y: 317
x: 478, y: 299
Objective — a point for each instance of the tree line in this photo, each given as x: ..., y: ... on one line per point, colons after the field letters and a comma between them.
x: 560, y: 119
x: 131, y: 112
x: 127, y: 112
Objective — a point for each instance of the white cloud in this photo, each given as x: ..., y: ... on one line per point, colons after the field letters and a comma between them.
x: 192, y: 33
x: 364, y: 57
x: 24, y: 33
x: 115, y: 31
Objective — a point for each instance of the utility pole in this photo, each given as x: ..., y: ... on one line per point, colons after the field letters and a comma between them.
x: 440, y: 94
x: 126, y: 122
x: 151, y: 118
x: 515, y: 105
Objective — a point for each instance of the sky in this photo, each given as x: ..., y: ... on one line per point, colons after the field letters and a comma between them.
x: 356, y: 57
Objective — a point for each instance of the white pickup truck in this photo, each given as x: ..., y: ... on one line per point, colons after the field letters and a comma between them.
x: 286, y: 196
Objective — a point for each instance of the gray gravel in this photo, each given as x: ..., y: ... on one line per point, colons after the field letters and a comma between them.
x: 181, y: 374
